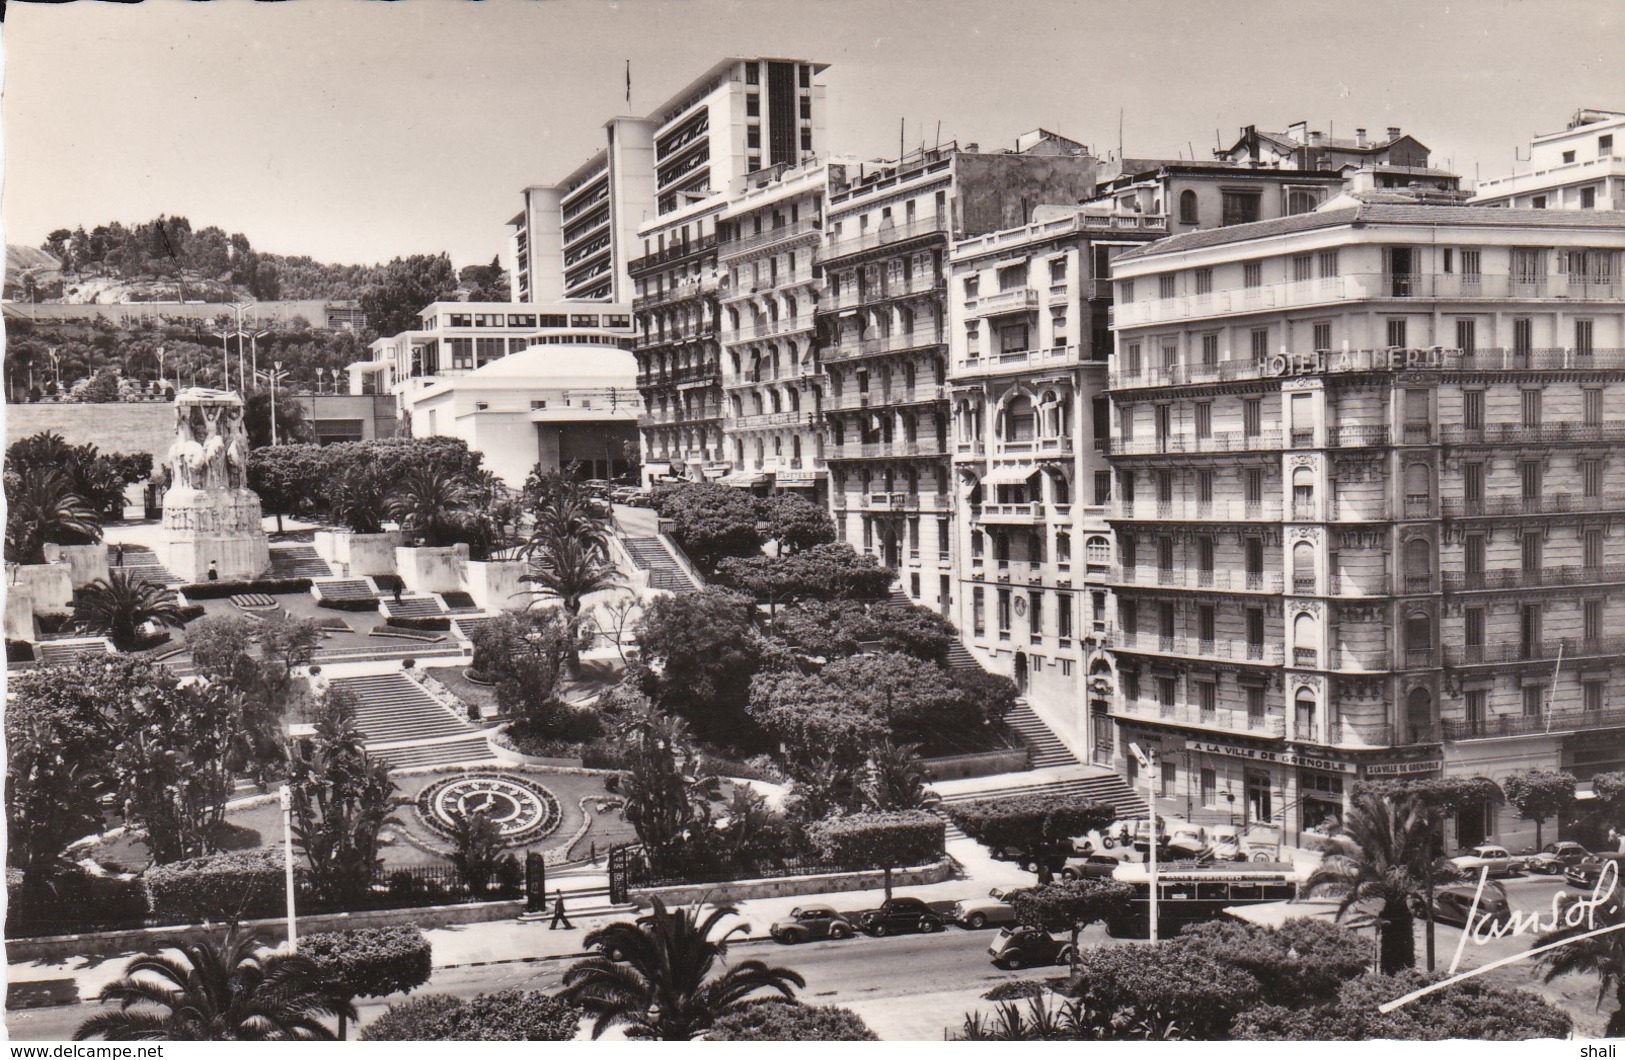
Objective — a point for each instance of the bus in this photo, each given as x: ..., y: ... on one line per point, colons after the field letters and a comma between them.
x: 1191, y: 893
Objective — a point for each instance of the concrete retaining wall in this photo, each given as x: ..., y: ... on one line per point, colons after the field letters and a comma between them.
x: 112, y: 944
x: 20, y: 614
x: 826, y: 883
x: 49, y: 585
x: 358, y: 555
x: 985, y: 764
x: 432, y: 570
x: 494, y: 584
x: 85, y: 563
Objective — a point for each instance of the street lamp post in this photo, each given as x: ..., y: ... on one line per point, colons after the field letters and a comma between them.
x: 286, y: 797
x: 273, y: 377
x: 160, y: 368
x: 56, y: 366
x: 254, y: 349
x: 225, y: 357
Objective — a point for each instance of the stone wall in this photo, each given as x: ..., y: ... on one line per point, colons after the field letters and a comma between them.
x: 784, y: 887
x: 432, y: 570
x: 358, y: 555
x: 121, y: 427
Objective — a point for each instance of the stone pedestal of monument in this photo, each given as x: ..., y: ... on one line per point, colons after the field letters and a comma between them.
x: 211, y: 518
x: 222, y: 527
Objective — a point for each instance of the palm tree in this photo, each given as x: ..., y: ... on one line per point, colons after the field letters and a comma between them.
x: 360, y: 502
x: 569, y: 569
x: 217, y: 992
x: 120, y: 604
x: 41, y: 507
x: 661, y: 987
x: 895, y: 780
x: 1602, y: 956
x: 431, y: 501
x: 1382, y: 856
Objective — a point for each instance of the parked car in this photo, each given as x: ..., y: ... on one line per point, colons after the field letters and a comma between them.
x: 1228, y: 844
x: 1023, y: 947
x: 1093, y: 867
x: 1586, y: 872
x: 1186, y: 841
x: 978, y: 913
x: 1555, y: 858
x: 600, y: 507
x: 1499, y: 860
x: 623, y: 494
x: 808, y: 922
x: 900, y: 916
x: 598, y: 486
x: 1453, y: 904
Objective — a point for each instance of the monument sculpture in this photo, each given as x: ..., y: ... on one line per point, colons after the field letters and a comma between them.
x: 211, y: 518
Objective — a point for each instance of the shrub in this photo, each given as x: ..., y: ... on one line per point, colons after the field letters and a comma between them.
x: 1017, y: 990
x: 1161, y: 985
x: 776, y: 1020
x: 240, y: 885
x: 221, y: 589
x: 71, y: 902
x: 54, y: 621
x: 505, y: 1016
x: 1028, y: 824
x: 191, y: 612
x: 19, y: 651
x: 885, y: 840
x: 1472, y: 1010
x: 1302, y: 961
x: 371, y: 962
x: 435, y: 623
x: 367, y: 604
x: 601, y: 754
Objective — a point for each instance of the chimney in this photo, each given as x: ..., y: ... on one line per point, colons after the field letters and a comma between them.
x: 1393, y: 132
x: 1316, y: 137
x: 1297, y: 132
x: 1359, y: 137
x: 971, y: 149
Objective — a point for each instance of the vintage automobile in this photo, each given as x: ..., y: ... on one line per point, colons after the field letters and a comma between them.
x: 1585, y: 873
x: 1228, y: 844
x: 900, y: 916
x: 1555, y: 858
x: 1023, y: 947
x: 808, y: 922
x: 977, y: 913
x: 1499, y: 860
x: 1453, y: 904
x: 1092, y: 867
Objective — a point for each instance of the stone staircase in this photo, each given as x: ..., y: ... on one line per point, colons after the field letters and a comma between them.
x: 580, y: 902
x: 412, y: 607
x: 652, y: 554
x: 66, y: 653
x: 1046, y: 748
x: 298, y: 561
x: 392, y: 708
x: 143, y: 561
x: 345, y: 589
x: 469, y: 750
x: 463, y: 627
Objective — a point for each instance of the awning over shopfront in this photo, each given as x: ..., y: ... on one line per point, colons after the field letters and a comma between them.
x: 744, y: 479
x: 798, y: 479
x: 1009, y: 475
x: 714, y: 472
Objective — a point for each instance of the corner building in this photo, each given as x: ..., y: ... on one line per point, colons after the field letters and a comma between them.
x: 1361, y: 511
x: 883, y: 329
x: 1030, y: 341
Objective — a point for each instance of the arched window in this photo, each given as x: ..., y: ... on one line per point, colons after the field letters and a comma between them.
x: 761, y: 451
x: 1301, y: 201
x: 1019, y: 418
x: 1418, y: 565
x: 756, y: 403
x: 795, y: 400
x: 739, y: 450
x: 911, y: 427
x: 908, y: 373
x: 1418, y: 638
x: 1303, y: 567
x: 778, y: 402
x: 795, y: 448
x: 1304, y: 705
x: 1187, y: 208
x: 888, y: 479
x: 1063, y: 547
x: 1303, y: 493
x: 837, y: 432
x: 778, y: 445
x: 1305, y: 640
x: 834, y: 384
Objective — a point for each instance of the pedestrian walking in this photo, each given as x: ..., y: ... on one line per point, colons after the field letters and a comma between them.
x: 558, y: 912
x: 214, y: 570
x: 397, y: 592
x: 118, y: 555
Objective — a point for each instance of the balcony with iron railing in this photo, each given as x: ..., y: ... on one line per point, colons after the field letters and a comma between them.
x: 675, y: 252
x: 1015, y: 300
x: 1332, y: 362
x: 680, y: 416
x: 1368, y: 585
x: 1190, y: 445
x: 774, y: 419
x: 1360, y: 734
x: 881, y: 450
x: 884, y: 235
x: 1367, y: 286
x: 690, y: 287
x: 729, y: 249
x: 1023, y: 512
x: 1357, y: 511
x: 1039, y: 446
x: 1546, y: 651
x: 853, y: 400
x: 768, y: 329
x: 1195, y: 511
x: 1351, y: 660
x: 1192, y: 716
x: 1504, y: 434
x: 976, y: 364
x: 1548, y: 504
x: 1196, y: 580
x: 1356, y: 436
x: 894, y: 501
x: 1551, y: 721
x: 673, y: 376
x: 1538, y: 578
x: 858, y: 296
x: 1194, y: 648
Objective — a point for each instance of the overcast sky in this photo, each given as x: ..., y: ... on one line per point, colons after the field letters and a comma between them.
x: 355, y: 130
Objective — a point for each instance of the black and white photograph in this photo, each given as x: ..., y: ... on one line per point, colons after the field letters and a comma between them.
x: 814, y: 521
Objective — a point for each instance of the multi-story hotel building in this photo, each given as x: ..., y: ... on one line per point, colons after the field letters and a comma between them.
x: 576, y: 239
x: 1361, y: 509
x: 1029, y: 344
x: 1579, y: 168
x: 771, y: 376
x: 883, y: 327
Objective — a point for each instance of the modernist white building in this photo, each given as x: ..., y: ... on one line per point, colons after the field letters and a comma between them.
x: 1579, y: 168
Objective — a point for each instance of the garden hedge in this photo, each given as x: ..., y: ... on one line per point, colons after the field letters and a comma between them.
x: 504, y: 1016
x: 862, y: 840
x: 776, y: 1020
x: 367, y: 603
x: 1161, y: 985
x: 19, y: 651
x: 372, y: 962
x: 242, y: 884
x: 221, y: 589
x: 428, y: 623
x: 71, y: 902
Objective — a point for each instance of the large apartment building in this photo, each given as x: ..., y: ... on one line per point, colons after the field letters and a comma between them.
x: 883, y: 327
x: 576, y: 239
x: 1029, y: 342
x: 1579, y: 168
x: 1361, y: 508
x: 771, y: 373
